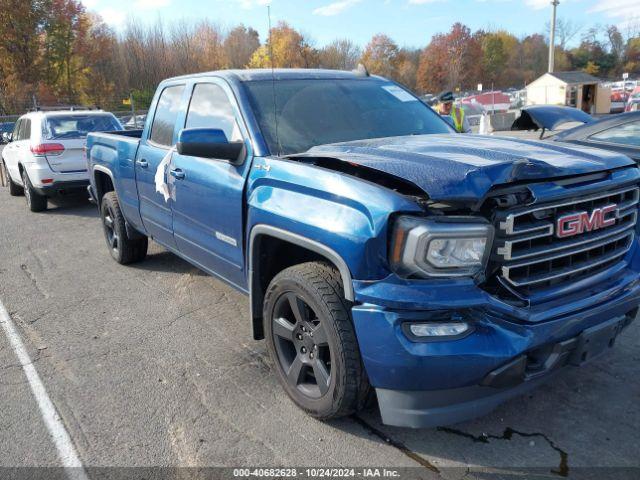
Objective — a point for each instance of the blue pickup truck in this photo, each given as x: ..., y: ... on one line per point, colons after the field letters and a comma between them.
x: 382, y: 252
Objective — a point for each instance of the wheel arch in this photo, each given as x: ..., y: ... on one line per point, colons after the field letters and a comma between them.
x: 103, y: 181
x: 299, y: 249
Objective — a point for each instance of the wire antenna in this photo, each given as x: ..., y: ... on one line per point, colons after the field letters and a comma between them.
x: 273, y: 83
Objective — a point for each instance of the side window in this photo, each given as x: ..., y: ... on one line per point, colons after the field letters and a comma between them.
x: 166, y: 115
x: 210, y: 107
x: 627, y: 134
x: 16, y: 130
x: 25, y: 130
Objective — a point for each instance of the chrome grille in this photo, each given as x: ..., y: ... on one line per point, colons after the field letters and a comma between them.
x: 530, y: 254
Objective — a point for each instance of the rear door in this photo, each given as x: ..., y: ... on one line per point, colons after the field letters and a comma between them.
x: 157, y: 142
x: 10, y: 152
x: 18, y: 151
x: 208, y: 199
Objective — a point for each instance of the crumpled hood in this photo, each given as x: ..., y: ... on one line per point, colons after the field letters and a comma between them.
x: 464, y: 167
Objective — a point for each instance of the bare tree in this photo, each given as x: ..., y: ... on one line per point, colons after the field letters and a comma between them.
x: 340, y: 54
x: 566, y: 30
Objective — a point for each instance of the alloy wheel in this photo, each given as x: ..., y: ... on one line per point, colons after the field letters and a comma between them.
x: 110, y: 231
x: 27, y: 190
x: 302, y: 346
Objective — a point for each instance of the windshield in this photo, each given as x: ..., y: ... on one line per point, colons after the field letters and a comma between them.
x: 318, y: 112
x: 78, y: 126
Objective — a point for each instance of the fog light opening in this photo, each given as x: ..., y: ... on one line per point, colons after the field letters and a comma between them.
x: 434, y: 331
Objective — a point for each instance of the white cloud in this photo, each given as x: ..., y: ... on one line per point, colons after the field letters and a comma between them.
x: 112, y: 16
x: 615, y: 8
x: 334, y: 8
x: 423, y: 2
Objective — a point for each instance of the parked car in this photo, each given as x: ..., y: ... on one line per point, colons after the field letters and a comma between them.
x: 130, y: 124
x: 378, y: 248
x: 472, y: 112
x: 619, y: 99
x: 548, y: 119
x: 491, y: 101
x: 633, y: 104
x: 46, y: 155
x: 618, y: 133
x: 5, y: 130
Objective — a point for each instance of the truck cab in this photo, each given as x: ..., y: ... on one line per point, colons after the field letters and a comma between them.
x: 381, y: 251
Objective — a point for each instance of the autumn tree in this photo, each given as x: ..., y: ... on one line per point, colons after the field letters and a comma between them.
x: 381, y: 56
x: 209, y: 49
x: 290, y: 49
x: 97, y: 84
x: 239, y: 46
x: 533, y: 60
x: 450, y: 60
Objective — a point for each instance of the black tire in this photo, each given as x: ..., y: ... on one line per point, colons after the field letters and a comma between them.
x: 15, y: 190
x: 35, y: 201
x: 291, y: 343
x: 123, y: 249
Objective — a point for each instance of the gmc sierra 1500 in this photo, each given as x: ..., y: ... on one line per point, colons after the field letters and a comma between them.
x: 379, y: 248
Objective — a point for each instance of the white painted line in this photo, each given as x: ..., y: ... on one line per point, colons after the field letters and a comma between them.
x: 66, y: 451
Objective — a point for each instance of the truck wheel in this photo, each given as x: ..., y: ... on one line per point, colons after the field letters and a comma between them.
x: 312, y: 342
x: 35, y: 201
x: 123, y: 249
x: 15, y: 190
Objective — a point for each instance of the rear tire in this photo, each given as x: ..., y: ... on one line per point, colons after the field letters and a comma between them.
x: 123, y: 249
x: 15, y: 190
x: 35, y: 201
x: 312, y: 341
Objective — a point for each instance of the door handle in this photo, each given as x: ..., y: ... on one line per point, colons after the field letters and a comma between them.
x: 143, y: 163
x: 177, y: 173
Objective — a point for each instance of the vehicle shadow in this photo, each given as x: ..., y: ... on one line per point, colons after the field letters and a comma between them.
x: 160, y: 260
x: 78, y: 206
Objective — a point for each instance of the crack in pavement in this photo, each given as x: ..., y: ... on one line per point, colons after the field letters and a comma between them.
x: 32, y: 279
x: 395, y: 443
x: 563, y: 467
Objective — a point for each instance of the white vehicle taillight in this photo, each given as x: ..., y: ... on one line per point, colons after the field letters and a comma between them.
x: 47, y: 149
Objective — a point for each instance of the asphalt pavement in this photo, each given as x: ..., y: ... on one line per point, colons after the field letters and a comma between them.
x: 154, y: 365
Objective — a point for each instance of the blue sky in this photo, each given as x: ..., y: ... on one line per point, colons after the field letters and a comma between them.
x: 409, y: 22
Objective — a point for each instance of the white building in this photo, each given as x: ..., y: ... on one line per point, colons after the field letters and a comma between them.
x: 573, y: 89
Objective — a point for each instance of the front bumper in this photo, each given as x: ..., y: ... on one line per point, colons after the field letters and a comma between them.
x: 511, y: 349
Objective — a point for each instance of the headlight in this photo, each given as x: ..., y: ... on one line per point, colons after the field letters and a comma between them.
x: 440, y: 247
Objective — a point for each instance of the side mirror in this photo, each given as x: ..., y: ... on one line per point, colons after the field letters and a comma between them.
x: 209, y: 143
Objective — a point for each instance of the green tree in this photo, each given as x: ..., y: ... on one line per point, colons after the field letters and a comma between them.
x: 494, y: 57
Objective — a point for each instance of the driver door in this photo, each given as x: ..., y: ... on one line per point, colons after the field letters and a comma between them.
x: 209, y: 193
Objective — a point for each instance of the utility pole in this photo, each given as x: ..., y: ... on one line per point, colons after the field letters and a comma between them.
x: 133, y: 111
x: 552, y: 36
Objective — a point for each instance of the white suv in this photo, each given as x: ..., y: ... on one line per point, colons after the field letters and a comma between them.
x: 45, y: 156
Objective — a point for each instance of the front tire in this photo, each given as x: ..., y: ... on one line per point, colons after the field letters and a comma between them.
x: 15, y: 190
x: 312, y: 342
x: 123, y: 249
x: 35, y: 201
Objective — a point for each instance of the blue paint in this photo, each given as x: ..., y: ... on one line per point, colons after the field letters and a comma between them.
x: 208, y: 221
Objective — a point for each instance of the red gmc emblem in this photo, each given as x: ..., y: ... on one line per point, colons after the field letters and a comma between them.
x: 577, y: 223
